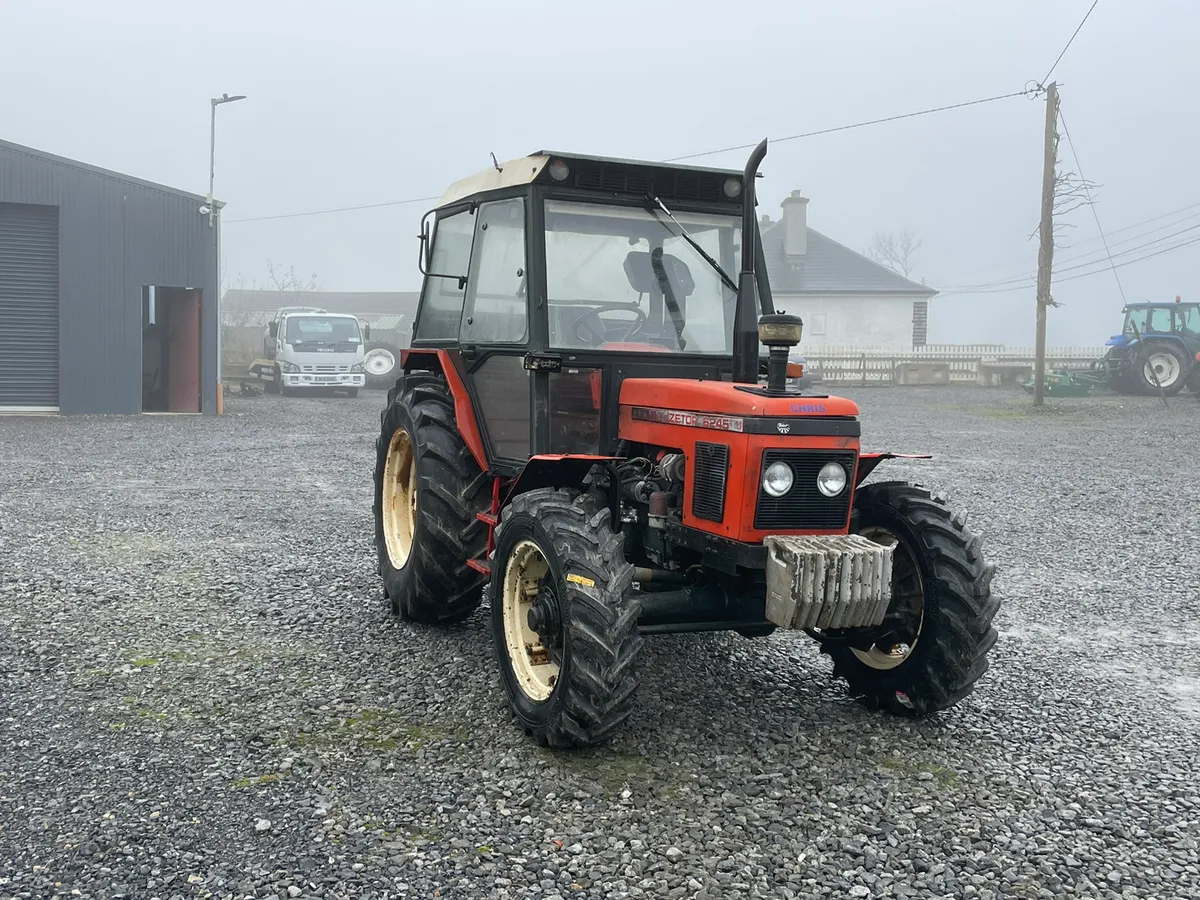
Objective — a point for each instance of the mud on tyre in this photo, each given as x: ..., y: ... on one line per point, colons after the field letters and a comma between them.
x: 564, y: 618
x: 933, y: 647
x: 428, y: 489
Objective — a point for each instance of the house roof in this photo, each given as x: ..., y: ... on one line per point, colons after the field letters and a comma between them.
x: 382, y: 309
x: 829, y: 268
x: 104, y: 173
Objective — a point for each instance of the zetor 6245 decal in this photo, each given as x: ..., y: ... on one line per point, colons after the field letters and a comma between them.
x: 595, y: 433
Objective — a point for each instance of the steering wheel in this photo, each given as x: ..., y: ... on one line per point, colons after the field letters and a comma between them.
x: 598, y: 329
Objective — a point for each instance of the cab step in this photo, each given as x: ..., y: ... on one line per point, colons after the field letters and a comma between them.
x: 480, y: 566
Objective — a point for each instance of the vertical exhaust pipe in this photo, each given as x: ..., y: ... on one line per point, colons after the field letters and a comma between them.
x: 745, y: 315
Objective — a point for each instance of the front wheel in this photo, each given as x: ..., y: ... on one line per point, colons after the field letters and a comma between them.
x: 564, y: 618
x: 352, y: 392
x: 932, y: 646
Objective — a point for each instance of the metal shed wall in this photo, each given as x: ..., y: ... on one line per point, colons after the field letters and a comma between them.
x: 116, y: 234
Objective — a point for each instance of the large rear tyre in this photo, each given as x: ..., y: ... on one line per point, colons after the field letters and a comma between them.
x: 1165, y: 362
x: 932, y: 647
x: 428, y: 490
x: 564, y: 618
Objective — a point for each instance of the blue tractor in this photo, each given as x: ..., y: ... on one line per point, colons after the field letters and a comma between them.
x: 1167, y: 355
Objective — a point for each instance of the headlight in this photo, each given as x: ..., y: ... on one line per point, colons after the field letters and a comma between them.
x: 777, y: 480
x: 831, y: 480
x: 358, y: 367
x: 289, y: 367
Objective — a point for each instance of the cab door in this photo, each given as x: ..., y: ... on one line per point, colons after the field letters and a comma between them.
x: 494, y: 330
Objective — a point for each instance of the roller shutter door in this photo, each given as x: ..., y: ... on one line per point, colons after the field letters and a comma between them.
x: 28, y: 307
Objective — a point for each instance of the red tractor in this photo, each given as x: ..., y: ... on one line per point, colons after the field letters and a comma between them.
x: 586, y: 434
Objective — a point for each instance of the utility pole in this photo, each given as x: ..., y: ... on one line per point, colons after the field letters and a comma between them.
x: 1046, y: 242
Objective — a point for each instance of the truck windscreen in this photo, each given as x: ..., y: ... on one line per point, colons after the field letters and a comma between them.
x: 322, y: 330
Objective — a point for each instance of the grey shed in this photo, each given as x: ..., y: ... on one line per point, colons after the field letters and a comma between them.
x: 108, y: 291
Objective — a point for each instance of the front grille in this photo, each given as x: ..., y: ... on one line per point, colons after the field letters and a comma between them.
x: 612, y: 177
x: 804, y: 506
x: 708, y: 481
x: 325, y: 370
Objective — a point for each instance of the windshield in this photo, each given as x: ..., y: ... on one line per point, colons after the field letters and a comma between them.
x: 322, y: 329
x: 620, y: 275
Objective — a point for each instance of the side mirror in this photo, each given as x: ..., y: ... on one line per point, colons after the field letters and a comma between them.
x: 366, y: 330
x: 273, y: 328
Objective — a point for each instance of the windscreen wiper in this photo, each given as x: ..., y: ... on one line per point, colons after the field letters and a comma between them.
x: 729, y: 282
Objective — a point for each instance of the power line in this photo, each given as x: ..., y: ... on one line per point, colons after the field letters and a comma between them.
x: 1088, y: 193
x: 911, y: 115
x: 1071, y: 41
x: 1081, y: 261
x: 793, y: 137
x: 322, y: 212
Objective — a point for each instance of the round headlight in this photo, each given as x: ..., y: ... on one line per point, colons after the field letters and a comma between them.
x: 777, y: 480
x: 831, y: 480
x: 733, y: 188
x: 559, y: 170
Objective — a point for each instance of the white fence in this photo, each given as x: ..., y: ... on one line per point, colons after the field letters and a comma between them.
x: 958, y: 363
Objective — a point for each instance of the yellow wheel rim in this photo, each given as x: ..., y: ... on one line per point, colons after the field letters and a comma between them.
x: 536, y: 673
x: 399, y: 498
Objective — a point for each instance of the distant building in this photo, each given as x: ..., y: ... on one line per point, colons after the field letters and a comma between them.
x: 107, y: 291
x: 842, y: 296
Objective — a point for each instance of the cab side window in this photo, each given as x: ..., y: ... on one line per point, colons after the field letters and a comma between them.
x: 442, y: 297
x: 496, y: 308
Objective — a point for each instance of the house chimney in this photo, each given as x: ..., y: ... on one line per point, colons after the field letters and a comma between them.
x: 764, y: 221
x: 795, y: 224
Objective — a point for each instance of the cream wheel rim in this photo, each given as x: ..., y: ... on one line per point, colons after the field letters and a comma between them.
x: 399, y: 500
x: 1163, y: 366
x: 908, y: 588
x: 536, y: 673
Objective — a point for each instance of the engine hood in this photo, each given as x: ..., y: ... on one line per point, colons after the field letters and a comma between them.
x: 726, y: 399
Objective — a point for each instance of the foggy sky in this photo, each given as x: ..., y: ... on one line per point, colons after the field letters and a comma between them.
x: 360, y: 102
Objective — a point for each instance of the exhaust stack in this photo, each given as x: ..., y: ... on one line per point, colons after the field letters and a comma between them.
x: 745, y: 315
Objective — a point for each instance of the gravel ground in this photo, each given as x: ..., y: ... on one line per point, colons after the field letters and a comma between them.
x: 202, y: 693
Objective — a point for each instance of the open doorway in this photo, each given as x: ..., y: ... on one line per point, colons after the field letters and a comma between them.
x: 171, y: 336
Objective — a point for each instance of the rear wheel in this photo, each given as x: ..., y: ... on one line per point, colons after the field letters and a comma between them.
x: 352, y: 392
x: 564, y: 618
x: 1167, y: 364
x: 932, y: 647
x: 428, y: 490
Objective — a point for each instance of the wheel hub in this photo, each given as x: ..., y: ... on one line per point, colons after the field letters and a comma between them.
x: 544, y: 617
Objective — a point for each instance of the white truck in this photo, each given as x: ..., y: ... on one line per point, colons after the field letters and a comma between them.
x: 308, y: 347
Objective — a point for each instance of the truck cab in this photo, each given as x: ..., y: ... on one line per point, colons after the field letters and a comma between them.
x: 314, y: 349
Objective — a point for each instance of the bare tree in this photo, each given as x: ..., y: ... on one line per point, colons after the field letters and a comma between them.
x: 895, y: 251
x: 287, y: 283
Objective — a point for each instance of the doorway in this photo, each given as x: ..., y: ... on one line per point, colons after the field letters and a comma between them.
x: 171, y: 350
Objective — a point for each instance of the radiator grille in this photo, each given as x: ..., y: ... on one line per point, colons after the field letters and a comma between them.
x: 804, y: 506
x: 710, y: 474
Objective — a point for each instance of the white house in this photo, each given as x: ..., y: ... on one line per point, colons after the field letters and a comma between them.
x: 843, y: 297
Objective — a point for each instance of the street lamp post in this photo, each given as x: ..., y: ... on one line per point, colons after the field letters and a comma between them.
x: 212, y: 215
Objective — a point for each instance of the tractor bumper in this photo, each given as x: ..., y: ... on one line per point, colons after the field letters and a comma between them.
x: 827, y: 581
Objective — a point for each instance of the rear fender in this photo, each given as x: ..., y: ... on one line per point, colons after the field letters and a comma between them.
x: 442, y: 362
x: 868, y: 461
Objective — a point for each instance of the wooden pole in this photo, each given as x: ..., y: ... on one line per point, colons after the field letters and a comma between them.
x: 1046, y: 242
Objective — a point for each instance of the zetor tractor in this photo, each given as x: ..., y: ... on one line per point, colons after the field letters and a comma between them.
x: 587, y: 435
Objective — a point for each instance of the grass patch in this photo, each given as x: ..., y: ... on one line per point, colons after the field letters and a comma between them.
x: 145, y: 662
x: 911, y: 767
x: 372, y: 729
x: 269, y: 778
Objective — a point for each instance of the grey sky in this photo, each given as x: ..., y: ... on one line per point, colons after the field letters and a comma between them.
x: 361, y: 102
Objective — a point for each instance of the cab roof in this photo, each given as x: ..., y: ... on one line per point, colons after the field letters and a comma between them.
x: 526, y: 170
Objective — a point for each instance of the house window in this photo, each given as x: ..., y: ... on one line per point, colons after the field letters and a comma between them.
x: 816, y: 325
x: 920, y: 331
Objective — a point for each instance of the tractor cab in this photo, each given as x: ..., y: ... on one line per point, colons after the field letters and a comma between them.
x: 559, y: 277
